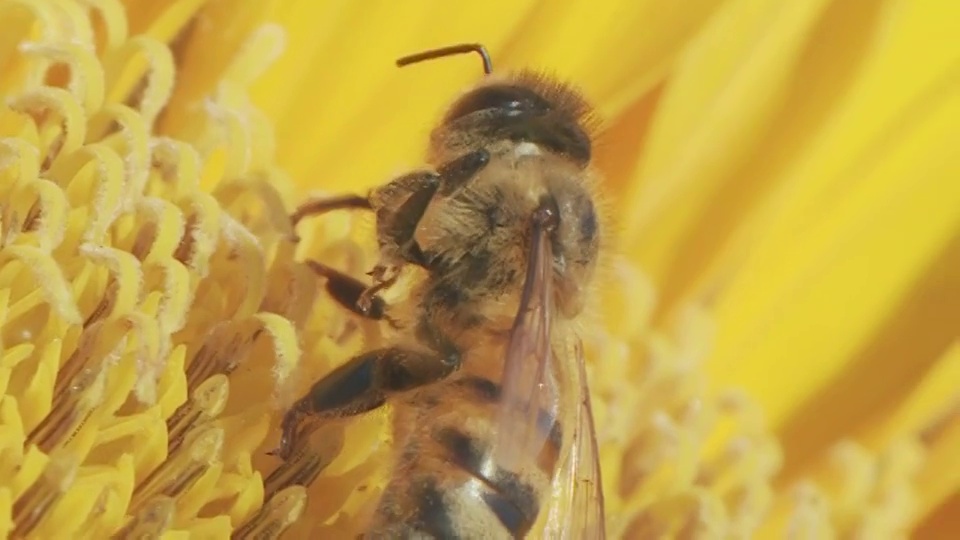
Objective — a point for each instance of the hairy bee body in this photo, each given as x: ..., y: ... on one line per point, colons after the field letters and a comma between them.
x: 490, y: 408
x: 477, y: 245
x: 446, y: 483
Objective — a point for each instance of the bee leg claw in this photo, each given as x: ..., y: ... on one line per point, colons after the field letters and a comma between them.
x: 384, y: 277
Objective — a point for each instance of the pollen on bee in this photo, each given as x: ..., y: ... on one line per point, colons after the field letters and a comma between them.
x: 526, y: 149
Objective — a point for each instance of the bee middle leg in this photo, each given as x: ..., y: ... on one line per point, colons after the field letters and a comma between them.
x: 363, y: 384
x: 349, y: 293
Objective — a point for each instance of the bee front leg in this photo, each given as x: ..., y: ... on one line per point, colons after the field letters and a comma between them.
x: 401, y: 204
x: 363, y: 384
x: 457, y: 172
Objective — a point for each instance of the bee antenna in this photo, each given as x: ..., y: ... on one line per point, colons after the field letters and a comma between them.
x: 450, y: 51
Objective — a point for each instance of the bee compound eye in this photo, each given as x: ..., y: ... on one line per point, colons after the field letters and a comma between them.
x: 504, y: 100
x: 588, y: 222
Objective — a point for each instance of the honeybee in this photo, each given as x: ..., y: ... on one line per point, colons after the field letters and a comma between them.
x: 486, y: 374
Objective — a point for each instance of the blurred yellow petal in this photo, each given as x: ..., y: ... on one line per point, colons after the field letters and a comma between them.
x: 934, y: 398
x: 350, y: 107
x: 840, y: 197
x: 943, y: 522
x: 728, y: 85
x: 908, y: 206
x: 354, y: 111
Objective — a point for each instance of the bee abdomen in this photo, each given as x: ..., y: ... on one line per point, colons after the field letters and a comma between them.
x: 487, y: 391
x: 429, y: 505
x: 419, y: 510
x: 448, y: 484
x: 513, y: 501
x: 450, y: 493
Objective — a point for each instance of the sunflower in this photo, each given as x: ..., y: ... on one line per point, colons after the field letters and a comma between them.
x: 777, y: 354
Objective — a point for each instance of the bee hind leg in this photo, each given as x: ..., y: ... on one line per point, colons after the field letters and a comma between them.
x: 363, y: 384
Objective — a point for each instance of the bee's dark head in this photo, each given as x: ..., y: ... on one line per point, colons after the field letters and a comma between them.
x: 524, y: 108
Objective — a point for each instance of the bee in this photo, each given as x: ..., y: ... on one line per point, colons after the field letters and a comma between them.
x: 486, y: 373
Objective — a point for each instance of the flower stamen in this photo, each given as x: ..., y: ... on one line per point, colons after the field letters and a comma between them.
x: 140, y: 73
x: 34, y: 504
x: 183, y: 468
x: 47, y: 217
x: 278, y: 513
x: 152, y: 520
x: 86, y: 76
x: 62, y: 136
x: 205, y: 404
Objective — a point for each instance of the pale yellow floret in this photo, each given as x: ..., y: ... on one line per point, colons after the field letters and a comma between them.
x: 108, y: 244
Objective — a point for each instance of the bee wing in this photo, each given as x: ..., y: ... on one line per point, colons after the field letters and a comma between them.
x: 576, y: 509
x: 532, y: 399
x: 529, y: 396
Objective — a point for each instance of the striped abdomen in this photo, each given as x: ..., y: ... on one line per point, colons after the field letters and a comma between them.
x: 446, y: 484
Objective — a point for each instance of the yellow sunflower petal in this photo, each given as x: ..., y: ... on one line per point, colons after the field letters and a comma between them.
x: 943, y: 522
x: 355, y: 109
x: 741, y: 285
x: 844, y: 260
x: 738, y: 67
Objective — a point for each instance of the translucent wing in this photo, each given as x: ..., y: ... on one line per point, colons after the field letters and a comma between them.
x: 577, y: 505
x: 529, y: 392
x: 538, y: 390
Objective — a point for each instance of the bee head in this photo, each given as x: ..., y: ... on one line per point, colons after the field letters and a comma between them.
x: 523, y: 108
